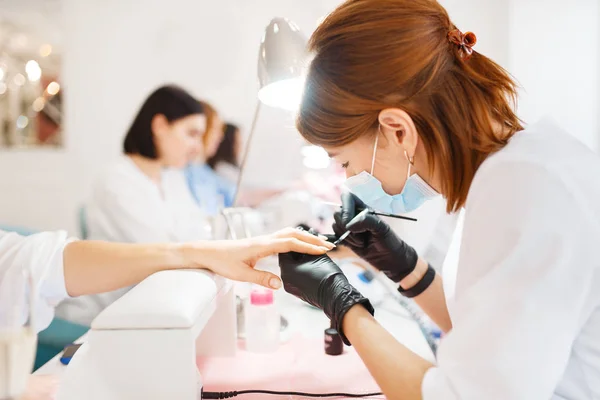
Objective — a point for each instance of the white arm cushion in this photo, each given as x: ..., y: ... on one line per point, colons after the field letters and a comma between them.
x: 166, y: 299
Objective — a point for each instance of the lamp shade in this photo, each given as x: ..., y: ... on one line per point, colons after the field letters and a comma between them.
x: 281, y: 61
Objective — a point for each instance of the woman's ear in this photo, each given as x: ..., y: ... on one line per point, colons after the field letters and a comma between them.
x: 159, y: 125
x: 399, y: 129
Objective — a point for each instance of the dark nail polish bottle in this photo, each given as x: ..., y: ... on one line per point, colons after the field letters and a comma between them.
x: 334, y: 346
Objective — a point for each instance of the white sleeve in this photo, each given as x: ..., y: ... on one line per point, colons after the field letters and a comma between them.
x: 42, y: 254
x: 524, y: 289
x: 124, y: 213
x: 437, y: 248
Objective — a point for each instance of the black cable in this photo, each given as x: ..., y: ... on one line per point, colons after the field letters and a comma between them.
x: 228, y: 395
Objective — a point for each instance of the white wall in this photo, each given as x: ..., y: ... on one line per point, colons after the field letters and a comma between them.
x: 555, y: 56
x: 553, y: 50
x: 117, y: 51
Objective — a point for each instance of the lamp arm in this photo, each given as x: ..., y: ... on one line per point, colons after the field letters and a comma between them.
x: 246, y: 152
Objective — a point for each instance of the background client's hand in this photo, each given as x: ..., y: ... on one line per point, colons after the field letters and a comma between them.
x: 321, y: 283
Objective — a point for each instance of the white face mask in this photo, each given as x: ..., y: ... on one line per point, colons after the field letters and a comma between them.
x: 369, y: 189
x: 17, y: 344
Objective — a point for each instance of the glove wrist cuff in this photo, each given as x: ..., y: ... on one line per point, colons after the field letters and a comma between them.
x: 360, y: 300
x: 420, y: 286
x: 347, y: 298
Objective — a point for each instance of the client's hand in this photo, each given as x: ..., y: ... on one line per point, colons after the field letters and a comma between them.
x: 235, y: 259
x: 321, y: 283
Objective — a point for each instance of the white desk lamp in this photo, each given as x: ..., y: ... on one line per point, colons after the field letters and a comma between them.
x: 281, y: 62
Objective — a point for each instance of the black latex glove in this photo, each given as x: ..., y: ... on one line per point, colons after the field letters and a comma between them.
x: 321, y: 283
x: 373, y: 240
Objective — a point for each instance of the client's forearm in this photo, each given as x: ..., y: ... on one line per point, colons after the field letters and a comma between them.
x: 95, y: 267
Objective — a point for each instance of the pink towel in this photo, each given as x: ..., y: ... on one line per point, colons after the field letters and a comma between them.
x: 300, y: 365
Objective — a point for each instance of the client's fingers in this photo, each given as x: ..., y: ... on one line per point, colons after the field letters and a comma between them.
x: 285, y: 245
x: 304, y: 236
x: 262, y: 278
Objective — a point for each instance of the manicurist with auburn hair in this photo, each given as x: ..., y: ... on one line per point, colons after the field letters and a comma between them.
x: 400, y: 97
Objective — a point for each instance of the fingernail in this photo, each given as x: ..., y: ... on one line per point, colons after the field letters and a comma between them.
x: 325, y: 249
x: 322, y: 237
x: 275, y: 283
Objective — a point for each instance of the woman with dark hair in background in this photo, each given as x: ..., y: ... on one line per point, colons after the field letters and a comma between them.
x: 143, y: 197
x: 226, y: 161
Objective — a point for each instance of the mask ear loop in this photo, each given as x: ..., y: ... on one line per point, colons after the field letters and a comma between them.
x: 411, y: 162
x: 375, y: 151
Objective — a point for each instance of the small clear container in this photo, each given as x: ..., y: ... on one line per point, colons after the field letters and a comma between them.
x: 262, y: 322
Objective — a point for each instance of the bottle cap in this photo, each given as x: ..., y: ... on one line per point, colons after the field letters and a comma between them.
x: 260, y: 297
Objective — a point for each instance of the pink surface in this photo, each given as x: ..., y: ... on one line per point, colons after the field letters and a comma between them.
x: 41, y: 387
x: 300, y: 365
